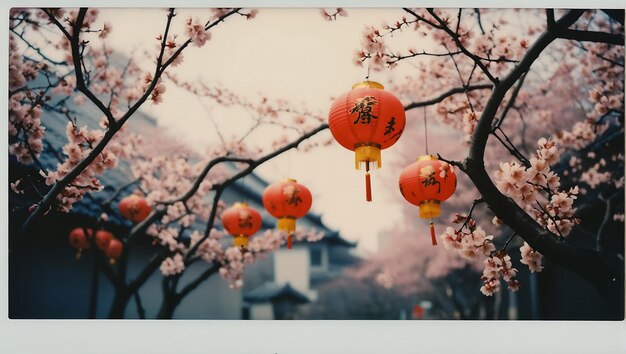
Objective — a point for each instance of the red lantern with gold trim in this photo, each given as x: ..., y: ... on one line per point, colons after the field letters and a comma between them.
x: 426, y: 183
x: 114, y: 250
x: 134, y: 208
x: 241, y: 221
x: 287, y: 200
x: 366, y: 120
x: 79, y: 241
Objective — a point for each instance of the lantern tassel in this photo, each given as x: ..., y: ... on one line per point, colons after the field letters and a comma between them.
x: 368, y: 183
x: 432, y: 234
x: 368, y: 187
x: 289, y: 242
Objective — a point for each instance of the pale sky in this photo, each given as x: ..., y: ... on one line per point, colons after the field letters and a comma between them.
x: 292, y: 54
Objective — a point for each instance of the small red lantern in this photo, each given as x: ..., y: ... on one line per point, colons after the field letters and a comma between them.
x: 78, y: 240
x: 134, y: 208
x: 103, y: 238
x: 426, y: 183
x: 287, y: 200
x: 366, y: 120
x: 418, y: 312
x: 241, y: 222
x: 114, y: 250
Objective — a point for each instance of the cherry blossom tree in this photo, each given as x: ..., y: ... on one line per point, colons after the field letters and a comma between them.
x: 538, y: 98
x: 67, y: 50
x: 539, y: 103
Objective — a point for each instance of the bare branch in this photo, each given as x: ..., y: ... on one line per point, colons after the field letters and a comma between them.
x: 447, y: 94
x: 251, y: 166
x: 196, y: 282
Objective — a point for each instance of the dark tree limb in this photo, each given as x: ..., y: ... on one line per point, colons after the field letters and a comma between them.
x: 196, y: 282
x: 140, y: 309
x: 447, y: 94
x: 592, y: 36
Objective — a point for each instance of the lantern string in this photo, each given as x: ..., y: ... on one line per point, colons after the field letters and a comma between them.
x: 426, y: 131
x: 289, y: 153
x: 368, y: 69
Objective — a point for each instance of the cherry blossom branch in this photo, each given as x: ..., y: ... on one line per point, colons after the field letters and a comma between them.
x: 469, y: 214
x: 38, y: 50
x: 421, y: 18
x: 602, y: 273
x: 480, y: 23
x: 460, y: 45
x: 397, y: 58
x: 48, y: 200
x: 118, y: 191
x: 507, y: 242
x: 447, y: 94
x: 598, y: 55
x: 251, y: 166
x: 511, y: 102
x: 510, y: 147
x: 459, y: 164
x: 196, y: 185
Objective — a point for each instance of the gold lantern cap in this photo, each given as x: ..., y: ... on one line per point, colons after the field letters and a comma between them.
x: 426, y: 157
x: 370, y: 84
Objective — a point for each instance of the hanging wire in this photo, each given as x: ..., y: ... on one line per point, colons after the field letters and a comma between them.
x: 289, y: 163
x: 369, y: 60
x: 426, y: 131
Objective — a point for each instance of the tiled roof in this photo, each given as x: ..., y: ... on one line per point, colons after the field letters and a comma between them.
x: 271, y: 291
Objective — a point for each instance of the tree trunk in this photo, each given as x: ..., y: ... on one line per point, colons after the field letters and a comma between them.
x: 166, y: 312
x: 93, y: 298
x: 118, y: 309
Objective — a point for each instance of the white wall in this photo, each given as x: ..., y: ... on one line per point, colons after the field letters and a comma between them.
x: 261, y: 311
x: 292, y: 266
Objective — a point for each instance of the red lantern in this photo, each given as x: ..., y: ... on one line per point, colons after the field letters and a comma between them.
x: 78, y: 240
x: 103, y: 238
x: 134, y: 208
x: 426, y: 183
x: 241, y: 222
x: 287, y: 200
x: 366, y: 120
x: 114, y: 250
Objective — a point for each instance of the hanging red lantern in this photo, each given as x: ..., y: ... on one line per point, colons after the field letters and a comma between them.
x: 241, y: 221
x: 79, y: 241
x: 287, y: 200
x: 134, y: 208
x: 103, y: 238
x: 366, y: 120
x: 114, y: 250
x: 426, y: 183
